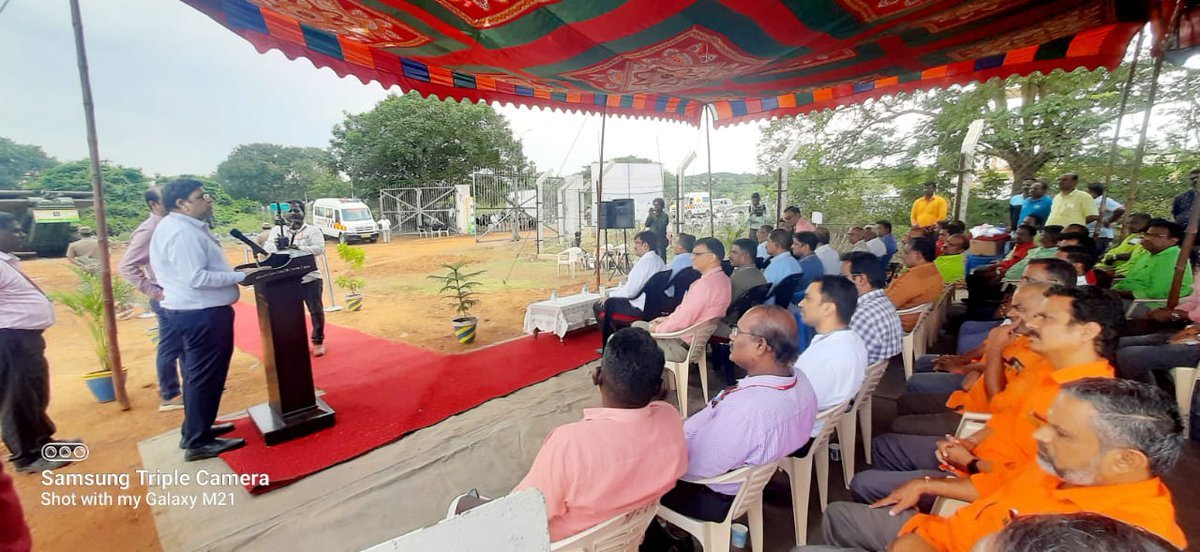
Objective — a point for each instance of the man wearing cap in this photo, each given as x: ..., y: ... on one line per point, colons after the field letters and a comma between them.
x: 261, y: 238
x: 307, y: 239
x: 85, y: 252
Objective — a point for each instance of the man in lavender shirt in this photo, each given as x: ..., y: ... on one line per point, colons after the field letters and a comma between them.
x: 135, y: 267
x: 768, y: 414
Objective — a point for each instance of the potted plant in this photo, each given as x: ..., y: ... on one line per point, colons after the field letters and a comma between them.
x: 354, y: 257
x: 459, y: 287
x: 87, y: 302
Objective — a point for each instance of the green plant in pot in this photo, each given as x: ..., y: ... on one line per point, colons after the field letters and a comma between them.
x: 87, y: 302
x: 354, y: 257
x: 459, y: 287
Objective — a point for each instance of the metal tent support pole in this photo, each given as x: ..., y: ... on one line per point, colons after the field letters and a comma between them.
x: 1112, y: 151
x: 600, y: 189
x: 89, y: 113
x: 333, y: 306
x: 712, y: 226
x: 1157, y: 52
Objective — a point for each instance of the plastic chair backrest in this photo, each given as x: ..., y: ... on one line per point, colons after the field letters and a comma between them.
x: 749, y: 298
x: 619, y: 534
x: 699, y: 344
x: 682, y: 281
x: 830, y: 417
x: 874, y: 374
x: 783, y: 291
x: 753, y: 480
x: 655, y: 293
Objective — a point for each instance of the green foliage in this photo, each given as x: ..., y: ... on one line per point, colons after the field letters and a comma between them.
x: 407, y: 140
x: 123, y: 191
x: 271, y: 172
x: 458, y: 286
x: 20, y: 163
x: 355, y: 257
x: 87, y: 302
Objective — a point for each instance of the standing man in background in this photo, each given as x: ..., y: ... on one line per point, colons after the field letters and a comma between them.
x: 1108, y: 211
x: 757, y: 215
x: 25, y: 312
x: 308, y: 239
x: 928, y: 209
x: 385, y: 226
x: 1014, y: 205
x: 1071, y: 206
x: 657, y: 222
x: 135, y: 268
x: 85, y: 252
x: 198, y: 288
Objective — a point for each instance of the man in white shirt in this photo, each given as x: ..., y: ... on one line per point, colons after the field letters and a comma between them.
x: 307, y: 239
x: 626, y: 301
x: 764, y: 232
x: 25, y: 312
x: 385, y: 227
x: 836, y: 360
x: 831, y: 260
x: 1108, y: 211
x: 198, y: 286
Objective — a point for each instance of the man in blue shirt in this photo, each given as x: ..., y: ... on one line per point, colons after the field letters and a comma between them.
x: 804, y: 246
x: 883, y: 230
x: 1037, y: 205
x: 683, y: 253
x: 198, y: 287
x: 783, y: 264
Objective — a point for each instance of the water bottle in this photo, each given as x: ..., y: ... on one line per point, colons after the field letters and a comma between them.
x: 584, y: 290
x: 553, y: 294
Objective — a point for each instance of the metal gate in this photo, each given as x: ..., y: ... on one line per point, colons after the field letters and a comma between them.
x: 508, y: 204
x: 417, y: 210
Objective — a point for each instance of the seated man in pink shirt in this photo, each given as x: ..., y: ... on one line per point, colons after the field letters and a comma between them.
x: 708, y: 297
x: 621, y: 456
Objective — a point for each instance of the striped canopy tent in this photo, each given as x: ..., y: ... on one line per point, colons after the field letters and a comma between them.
x: 667, y: 59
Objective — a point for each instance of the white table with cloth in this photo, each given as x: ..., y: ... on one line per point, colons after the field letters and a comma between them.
x: 561, y: 314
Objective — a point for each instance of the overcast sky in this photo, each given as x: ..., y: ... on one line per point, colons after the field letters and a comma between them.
x: 175, y: 92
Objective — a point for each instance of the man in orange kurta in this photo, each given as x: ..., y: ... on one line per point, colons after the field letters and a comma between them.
x: 1094, y: 454
x: 920, y: 284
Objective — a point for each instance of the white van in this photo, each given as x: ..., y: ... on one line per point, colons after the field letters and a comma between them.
x: 345, y: 219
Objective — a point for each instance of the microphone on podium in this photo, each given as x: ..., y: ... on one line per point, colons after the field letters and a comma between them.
x: 257, y: 249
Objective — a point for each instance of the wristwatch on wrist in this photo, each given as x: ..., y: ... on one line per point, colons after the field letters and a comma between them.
x: 973, y: 466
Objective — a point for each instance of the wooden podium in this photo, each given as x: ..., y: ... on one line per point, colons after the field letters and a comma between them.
x: 294, y: 410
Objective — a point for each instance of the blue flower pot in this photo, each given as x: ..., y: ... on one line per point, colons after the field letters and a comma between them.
x: 101, y: 386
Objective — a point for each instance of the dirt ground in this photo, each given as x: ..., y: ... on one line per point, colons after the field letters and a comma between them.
x: 401, y: 304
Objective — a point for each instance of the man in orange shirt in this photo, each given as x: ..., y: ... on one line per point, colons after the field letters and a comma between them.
x: 1076, y: 331
x: 920, y: 284
x: 1101, y: 448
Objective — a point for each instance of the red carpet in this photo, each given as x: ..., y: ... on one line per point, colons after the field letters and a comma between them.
x: 382, y: 390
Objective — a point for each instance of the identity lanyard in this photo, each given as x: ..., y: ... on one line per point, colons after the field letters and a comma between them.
x: 735, y: 388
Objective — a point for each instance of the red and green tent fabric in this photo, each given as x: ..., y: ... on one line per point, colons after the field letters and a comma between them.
x: 748, y: 59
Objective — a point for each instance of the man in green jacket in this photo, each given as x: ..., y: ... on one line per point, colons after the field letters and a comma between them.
x: 1150, y: 276
x: 952, y: 263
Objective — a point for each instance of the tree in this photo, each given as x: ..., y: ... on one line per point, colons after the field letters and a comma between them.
x: 20, y: 163
x: 271, y: 172
x: 124, y: 188
x: 410, y: 141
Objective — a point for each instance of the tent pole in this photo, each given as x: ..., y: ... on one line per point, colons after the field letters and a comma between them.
x: 600, y: 190
x: 89, y: 112
x: 1112, y: 152
x: 1158, y: 52
x: 1189, y: 239
x: 712, y: 230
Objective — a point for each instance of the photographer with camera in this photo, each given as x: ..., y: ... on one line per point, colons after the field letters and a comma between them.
x: 308, y: 239
x: 657, y: 222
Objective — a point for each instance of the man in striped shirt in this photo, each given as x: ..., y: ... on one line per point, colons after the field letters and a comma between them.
x: 875, y: 320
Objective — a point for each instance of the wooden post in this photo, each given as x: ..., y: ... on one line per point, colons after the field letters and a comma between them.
x: 1112, y: 152
x: 89, y: 113
x: 600, y: 190
x: 1158, y: 52
x: 712, y: 227
x: 1185, y: 255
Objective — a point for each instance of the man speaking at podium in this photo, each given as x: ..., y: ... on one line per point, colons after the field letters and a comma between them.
x: 307, y: 239
x: 198, y: 286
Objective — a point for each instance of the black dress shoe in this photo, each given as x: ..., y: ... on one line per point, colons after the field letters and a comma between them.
x: 216, y: 431
x: 213, y: 449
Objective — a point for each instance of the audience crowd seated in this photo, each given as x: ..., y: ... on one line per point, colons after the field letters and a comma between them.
x: 1081, y: 425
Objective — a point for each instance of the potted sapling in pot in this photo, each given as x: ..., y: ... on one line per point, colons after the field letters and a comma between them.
x: 354, y: 257
x: 458, y: 286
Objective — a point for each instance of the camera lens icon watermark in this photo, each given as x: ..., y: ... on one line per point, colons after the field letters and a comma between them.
x: 60, y: 451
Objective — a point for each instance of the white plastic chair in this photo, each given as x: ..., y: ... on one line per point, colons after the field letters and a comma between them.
x: 1135, y: 303
x: 569, y: 257
x: 1185, y: 383
x: 620, y: 534
x: 911, y: 347
x: 846, y: 426
x: 969, y: 424
x: 938, y: 315
x: 714, y: 535
x: 800, y: 470
x: 697, y: 354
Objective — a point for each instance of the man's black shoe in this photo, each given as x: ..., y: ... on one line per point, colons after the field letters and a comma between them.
x: 213, y: 449
x: 216, y: 431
